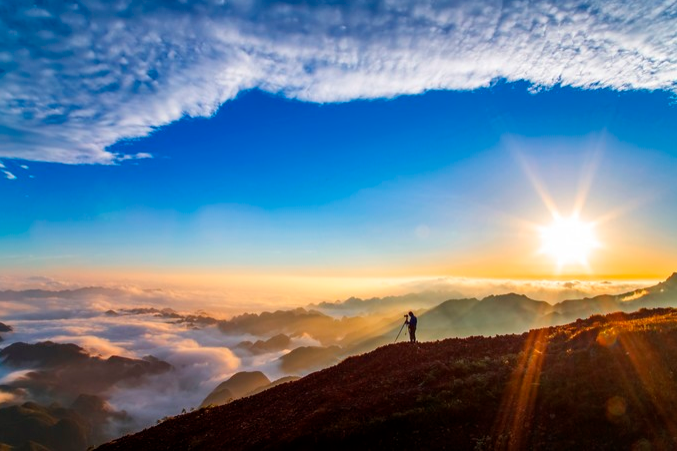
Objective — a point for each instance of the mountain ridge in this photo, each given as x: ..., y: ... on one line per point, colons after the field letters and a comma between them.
x: 503, y: 392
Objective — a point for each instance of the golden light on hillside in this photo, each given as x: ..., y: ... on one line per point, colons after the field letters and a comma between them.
x: 519, y: 401
x: 569, y: 241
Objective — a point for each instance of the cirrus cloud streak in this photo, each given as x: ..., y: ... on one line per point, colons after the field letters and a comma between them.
x: 77, y: 77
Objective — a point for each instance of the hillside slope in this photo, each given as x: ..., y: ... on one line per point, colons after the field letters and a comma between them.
x: 601, y: 383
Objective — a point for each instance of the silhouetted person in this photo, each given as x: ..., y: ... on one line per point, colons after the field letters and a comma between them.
x: 411, y: 322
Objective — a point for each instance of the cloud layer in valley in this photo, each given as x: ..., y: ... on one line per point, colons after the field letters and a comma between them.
x: 193, y: 353
x: 108, y: 322
x: 76, y: 77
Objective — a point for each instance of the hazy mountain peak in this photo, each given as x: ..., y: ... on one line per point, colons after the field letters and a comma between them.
x: 671, y: 281
x: 509, y: 297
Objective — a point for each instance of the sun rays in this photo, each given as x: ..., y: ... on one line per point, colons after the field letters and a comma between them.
x: 568, y: 240
x: 621, y: 358
x: 517, y: 407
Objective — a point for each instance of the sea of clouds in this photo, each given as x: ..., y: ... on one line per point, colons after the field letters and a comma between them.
x: 202, y: 355
x: 78, y: 76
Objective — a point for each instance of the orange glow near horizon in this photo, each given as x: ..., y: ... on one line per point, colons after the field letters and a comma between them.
x: 228, y: 293
x: 323, y: 280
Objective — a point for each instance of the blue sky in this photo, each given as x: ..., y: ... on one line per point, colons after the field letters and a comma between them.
x: 418, y: 140
x: 270, y: 153
x: 274, y: 183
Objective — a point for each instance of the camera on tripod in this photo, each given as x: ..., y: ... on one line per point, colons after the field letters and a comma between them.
x: 406, y: 321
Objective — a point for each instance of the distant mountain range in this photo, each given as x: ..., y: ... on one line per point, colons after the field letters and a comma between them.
x: 507, y: 314
x: 514, y: 313
x: 354, y: 305
x: 496, y: 314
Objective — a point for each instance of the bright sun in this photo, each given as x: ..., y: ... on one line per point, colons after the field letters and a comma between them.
x: 569, y: 241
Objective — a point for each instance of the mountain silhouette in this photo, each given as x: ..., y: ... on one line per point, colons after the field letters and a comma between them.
x: 242, y: 384
x: 4, y: 328
x: 516, y: 313
x: 295, y: 322
x: 275, y: 383
x: 507, y: 313
x: 606, y: 383
x: 43, y: 355
x: 663, y: 294
x: 67, y: 387
x: 32, y: 426
x: 425, y: 299
x: 236, y: 387
x: 273, y: 344
x: 310, y: 358
x: 62, y: 371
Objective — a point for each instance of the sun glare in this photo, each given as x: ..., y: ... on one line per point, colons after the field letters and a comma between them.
x: 569, y: 241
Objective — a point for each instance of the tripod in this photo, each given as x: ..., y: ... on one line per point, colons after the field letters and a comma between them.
x: 398, y: 334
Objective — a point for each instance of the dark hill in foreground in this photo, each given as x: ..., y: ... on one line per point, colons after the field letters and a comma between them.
x: 608, y: 382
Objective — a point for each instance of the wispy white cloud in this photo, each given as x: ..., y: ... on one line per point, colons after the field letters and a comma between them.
x: 137, y: 156
x: 78, y: 77
x: 9, y: 175
x: 33, y: 282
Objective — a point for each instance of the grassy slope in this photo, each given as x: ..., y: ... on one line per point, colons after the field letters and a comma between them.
x: 601, y: 383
